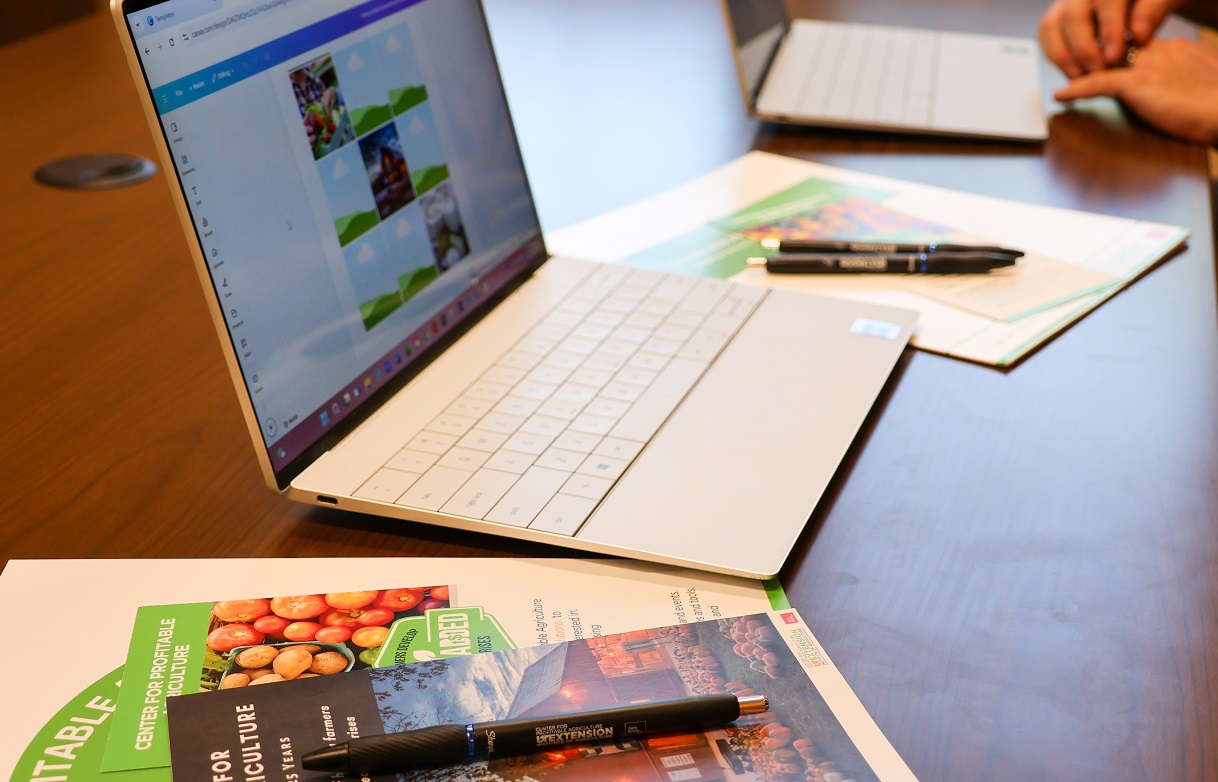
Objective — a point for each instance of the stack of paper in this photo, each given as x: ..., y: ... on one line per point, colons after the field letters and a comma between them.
x: 436, y: 640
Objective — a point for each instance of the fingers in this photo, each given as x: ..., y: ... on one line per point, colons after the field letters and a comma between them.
x: 1082, y: 36
x: 1113, y: 19
x: 1100, y: 83
x: 1078, y: 32
x: 1146, y: 16
x: 1053, y: 39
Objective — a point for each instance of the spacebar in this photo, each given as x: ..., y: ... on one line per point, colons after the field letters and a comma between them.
x: 651, y: 410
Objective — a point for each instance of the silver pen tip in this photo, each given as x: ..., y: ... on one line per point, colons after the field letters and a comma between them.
x: 753, y: 704
x: 771, y: 243
x: 757, y: 263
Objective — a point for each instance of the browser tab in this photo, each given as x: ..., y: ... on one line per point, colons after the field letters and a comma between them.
x: 168, y: 15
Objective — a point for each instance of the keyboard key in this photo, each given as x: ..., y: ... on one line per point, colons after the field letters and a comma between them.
x: 500, y: 373
x: 388, y: 485
x: 635, y: 376
x: 482, y: 440
x: 487, y: 392
x: 619, y: 305
x: 592, y: 424
x: 533, y: 390
x: 503, y: 423
x: 517, y: 405
x: 603, y: 467
x: 606, y: 361
x: 704, y: 345
x: 467, y: 405
x: 661, y: 347
x: 643, y: 321
x: 479, y: 494
x: 618, y: 448
x: 558, y: 408
x: 514, y: 462
x: 536, y: 345
x: 562, y: 319
x: 409, y: 460
x: 529, y: 443
x: 587, y: 486
x: 544, y: 425
x: 576, y: 393
x: 604, y: 318
x: 578, y: 345
x: 521, y: 359
x: 591, y: 377
x: 687, y: 319
x: 550, y: 375
x: 705, y: 295
x: 624, y: 392
x: 592, y: 331
x: 648, y: 361
x: 674, y: 332
x: 674, y: 288
x: 463, y: 458
x: 608, y: 408
x: 550, y: 331
x: 618, y: 348
x: 563, y: 360
x: 631, y: 334
x: 435, y: 488
x: 431, y: 442
x: 528, y: 496
x: 580, y: 442
x: 564, y: 514
x: 448, y: 423
x: 558, y: 459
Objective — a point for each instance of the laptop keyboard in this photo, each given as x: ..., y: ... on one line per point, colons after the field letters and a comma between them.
x: 864, y: 73
x: 541, y: 437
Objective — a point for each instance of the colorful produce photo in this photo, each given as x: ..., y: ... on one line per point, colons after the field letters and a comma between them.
x: 270, y: 639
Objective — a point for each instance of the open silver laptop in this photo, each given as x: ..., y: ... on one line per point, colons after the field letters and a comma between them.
x: 812, y: 72
x: 401, y: 345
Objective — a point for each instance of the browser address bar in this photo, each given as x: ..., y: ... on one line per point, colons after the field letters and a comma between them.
x: 240, y: 17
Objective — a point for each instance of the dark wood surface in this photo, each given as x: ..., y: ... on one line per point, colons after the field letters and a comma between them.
x: 1016, y: 571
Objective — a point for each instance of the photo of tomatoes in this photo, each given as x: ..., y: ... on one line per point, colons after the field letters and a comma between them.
x: 354, y: 624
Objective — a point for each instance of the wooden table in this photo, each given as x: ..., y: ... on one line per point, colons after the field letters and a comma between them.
x: 1015, y: 570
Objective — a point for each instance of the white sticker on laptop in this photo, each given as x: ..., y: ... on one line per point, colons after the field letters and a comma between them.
x: 875, y: 328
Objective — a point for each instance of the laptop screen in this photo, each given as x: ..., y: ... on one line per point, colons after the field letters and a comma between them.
x: 353, y: 180
x: 756, y: 28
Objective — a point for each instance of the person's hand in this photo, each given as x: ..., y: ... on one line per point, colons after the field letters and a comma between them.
x: 329, y: 98
x: 1084, y: 36
x: 1172, y: 84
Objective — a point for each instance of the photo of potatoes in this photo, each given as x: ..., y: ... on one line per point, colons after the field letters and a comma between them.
x: 271, y: 639
x: 267, y: 663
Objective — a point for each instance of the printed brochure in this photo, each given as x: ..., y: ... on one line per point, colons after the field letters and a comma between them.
x: 815, y: 728
x: 67, y: 713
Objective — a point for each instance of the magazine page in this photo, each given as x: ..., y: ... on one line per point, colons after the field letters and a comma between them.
x: 65, y: 719
x: 815, y: 728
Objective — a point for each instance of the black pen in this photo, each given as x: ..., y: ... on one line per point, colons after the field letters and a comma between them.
x: 443, y: 745
x: 818, y: 246
x: 899, y: 263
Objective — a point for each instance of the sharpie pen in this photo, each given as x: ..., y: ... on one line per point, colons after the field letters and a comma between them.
x: 443, y: 745
x: 818, y: 246
x: 899, y: 263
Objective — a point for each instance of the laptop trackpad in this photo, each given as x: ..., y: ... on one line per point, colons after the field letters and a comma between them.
x: 733, y: 476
